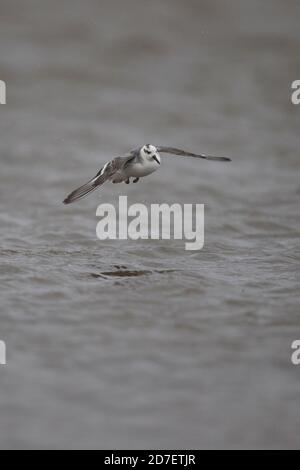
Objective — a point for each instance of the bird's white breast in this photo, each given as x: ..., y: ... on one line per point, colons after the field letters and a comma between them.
x: 138, y: 170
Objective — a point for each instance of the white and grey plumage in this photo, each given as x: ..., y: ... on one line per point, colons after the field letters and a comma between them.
x: 136, y: 164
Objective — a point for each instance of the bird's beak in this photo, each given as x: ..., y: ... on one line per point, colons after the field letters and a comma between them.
x: 156, y: 159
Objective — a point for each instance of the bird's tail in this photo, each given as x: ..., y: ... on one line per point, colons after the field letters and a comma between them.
x: 82, y: 191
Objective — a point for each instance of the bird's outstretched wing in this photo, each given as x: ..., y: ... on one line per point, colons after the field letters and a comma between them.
x: 183, y: 153
x: 104, y: 174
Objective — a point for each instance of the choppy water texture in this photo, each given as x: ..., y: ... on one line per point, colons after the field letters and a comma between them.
x: 142, y: 344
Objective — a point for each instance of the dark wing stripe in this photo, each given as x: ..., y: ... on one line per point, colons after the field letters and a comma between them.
x: 81, y: 192
x: 183, y: 153
x: 104, y: 174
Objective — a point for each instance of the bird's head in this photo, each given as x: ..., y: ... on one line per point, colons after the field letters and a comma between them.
x: 150, y: 153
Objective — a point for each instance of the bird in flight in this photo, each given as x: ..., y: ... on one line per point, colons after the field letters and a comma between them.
x: 136, y: 164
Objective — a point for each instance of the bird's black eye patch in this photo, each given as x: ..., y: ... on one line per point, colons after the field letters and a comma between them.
x: 147, y: 151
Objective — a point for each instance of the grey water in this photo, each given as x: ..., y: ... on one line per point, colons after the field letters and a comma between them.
x: 142, y: 344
